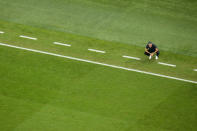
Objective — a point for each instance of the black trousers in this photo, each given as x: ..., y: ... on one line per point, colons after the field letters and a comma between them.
x: 157, y: 53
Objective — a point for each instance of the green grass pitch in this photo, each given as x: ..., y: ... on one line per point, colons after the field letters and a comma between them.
x: 39, y: 92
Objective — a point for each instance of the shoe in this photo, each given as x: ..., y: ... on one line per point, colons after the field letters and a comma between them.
x: 150, y: 57
x: 156, y: 57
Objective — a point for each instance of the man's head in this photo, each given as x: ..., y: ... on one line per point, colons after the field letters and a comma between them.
x: 150, y: 44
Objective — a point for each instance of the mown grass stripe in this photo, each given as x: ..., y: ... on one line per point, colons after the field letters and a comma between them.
x: 161, y: 63
x: 27, y: 37
x: 57, y: 43
x: 98, y: 63
x: 130, y: 57
x: 98, y: 51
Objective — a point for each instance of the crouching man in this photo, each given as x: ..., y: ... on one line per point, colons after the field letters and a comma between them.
x: 151, y: 50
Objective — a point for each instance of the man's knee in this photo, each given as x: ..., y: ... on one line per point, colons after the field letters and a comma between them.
x: 158, y: 53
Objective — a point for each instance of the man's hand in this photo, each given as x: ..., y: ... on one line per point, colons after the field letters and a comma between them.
x: 151, y: 54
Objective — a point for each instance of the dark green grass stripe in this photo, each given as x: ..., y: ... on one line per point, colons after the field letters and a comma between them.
x: 98, y: 63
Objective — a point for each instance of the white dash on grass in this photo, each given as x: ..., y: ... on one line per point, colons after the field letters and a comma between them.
x: 98, y: 63
x: 130, y: 57
x: 22, y: 36
x: 161, y: 63
x: 195, y: 69
x: 98, y: 51
x: 57, y: 43
x: 1, y: 32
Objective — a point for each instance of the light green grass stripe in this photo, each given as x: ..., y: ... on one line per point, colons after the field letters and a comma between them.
x: 98, y: 63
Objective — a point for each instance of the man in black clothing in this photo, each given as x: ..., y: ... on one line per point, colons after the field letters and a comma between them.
x: 151, y: 49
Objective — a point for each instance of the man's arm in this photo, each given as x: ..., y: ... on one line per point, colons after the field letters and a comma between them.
x: 156, y: 50
x: 146, y: 50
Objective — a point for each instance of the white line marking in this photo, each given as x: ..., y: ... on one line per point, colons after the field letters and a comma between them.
x: 28, y: 37
x: 195, y: 69
x: 98, y: 63
x: 1, y: 32
x: 99, y: 51
x: 57, y: 43
x: 161, y: 63
x: 130, y: 57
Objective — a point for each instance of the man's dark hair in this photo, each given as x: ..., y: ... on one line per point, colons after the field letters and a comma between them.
x: 150, y: 42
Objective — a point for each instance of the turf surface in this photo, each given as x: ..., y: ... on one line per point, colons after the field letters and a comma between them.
x: 170, y: 24
x: 114, y: 51
x: 40, y: 92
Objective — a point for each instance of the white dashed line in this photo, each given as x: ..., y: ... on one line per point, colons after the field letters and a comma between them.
x: 57, y: 43
x: 22, y: 36
x: 98, y: 51
x: 130, y: 57
x: 1, y: 32
x: 161, y: 63
x: 98, y: 63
